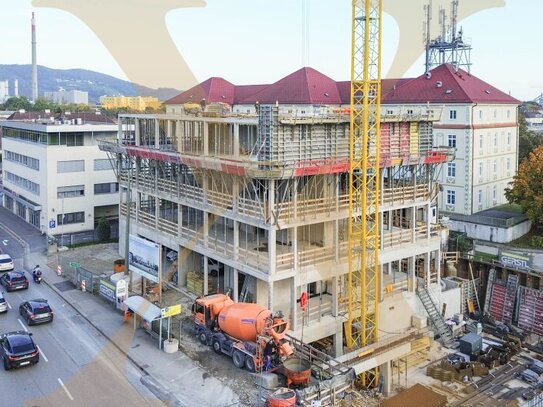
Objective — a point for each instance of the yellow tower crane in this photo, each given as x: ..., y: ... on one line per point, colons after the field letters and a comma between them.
x: 364, y: 179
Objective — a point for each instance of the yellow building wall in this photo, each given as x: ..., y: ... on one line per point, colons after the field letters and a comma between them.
x: 138, y: 103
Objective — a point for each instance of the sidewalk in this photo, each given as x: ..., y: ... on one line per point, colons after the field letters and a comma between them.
x: 174, y: 378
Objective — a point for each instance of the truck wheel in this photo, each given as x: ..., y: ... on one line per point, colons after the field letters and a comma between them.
x: 202, y: 337
x: 250, y: 364
x: 216, y: 344
x: 239, y: 359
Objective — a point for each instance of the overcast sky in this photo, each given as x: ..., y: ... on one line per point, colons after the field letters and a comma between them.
x: 260, y: 41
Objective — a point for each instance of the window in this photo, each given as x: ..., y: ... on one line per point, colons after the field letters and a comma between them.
x: 480, y: 114
x: 495, y: 167
x: 508, y: 114
x: 451, y: 170
x: 22, y: 159
x: 71, y: 191
x: 107, y: 188
x: 68, y: 218
x: 390, y: 111
x: 508, y: 164
x: 495, y: 113
x: 451, y: 197
x: 70, y: 166
x: 494, y: 192
x: 480, y: 169
x: 452, y: 140
x: 409, y: 111
x: 102, y: 164
x: 495, y: 140
x: 481, y: 141
x: 23, y: 183
x: 452, y: 114
x: 480, y: 196
x: 509, y: 139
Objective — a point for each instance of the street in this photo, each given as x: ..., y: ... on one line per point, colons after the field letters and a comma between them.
x: 77, y: 364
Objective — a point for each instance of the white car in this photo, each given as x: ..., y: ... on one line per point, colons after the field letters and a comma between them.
x: 3, y: 303
x: 6, y: 262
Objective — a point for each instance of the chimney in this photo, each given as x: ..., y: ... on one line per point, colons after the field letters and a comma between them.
x: 34, y: 62
x: 16, y: 88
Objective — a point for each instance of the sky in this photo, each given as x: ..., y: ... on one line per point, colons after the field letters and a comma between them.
x: 260, y: 41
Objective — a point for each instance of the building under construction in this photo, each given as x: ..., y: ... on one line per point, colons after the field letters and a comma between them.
x: 249, y: 184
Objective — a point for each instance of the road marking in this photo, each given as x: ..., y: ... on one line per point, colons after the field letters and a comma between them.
x: 23, y: 325
x: 65, y: 389
x: 9, y: 306
x: 5, y: 242
x: 42, y: 354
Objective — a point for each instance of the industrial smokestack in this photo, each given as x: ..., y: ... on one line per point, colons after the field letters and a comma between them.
x: 34, y: 62
x: 16, y: 88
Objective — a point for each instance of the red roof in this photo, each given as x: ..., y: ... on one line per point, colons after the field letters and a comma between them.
x: 306, y: 85
x: 213, y: 90
x: 446, y: 85
x: 309, y: 86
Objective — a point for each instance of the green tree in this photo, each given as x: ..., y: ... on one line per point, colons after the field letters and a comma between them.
x: 527, y: 187
x: 104, y: 230
x: 17, y: 103
x: 527, y: 140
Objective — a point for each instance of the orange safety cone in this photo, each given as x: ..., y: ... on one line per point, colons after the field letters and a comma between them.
x: 59, y: 270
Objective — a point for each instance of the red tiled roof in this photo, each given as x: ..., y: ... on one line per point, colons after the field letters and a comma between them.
x: 212, y: 90
x: 244, y: 92
x: 306, y: 85
x: 446, y: 85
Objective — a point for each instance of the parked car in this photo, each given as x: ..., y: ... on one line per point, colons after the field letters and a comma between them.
x: 36, y: 311
x: 18, y: 349
x: 14, y: 280
x: 536, y: 366
x: 3, y: 303
x: 529, y: 376
x: 6, y: 262
x: 171, y: 256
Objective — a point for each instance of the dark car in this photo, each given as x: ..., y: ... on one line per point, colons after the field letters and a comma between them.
x: 18, y: 349
x: 14, y: 280
x: 36, y: 311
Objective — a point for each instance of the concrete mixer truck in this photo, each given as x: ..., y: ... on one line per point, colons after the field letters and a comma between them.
x: 248, y: 333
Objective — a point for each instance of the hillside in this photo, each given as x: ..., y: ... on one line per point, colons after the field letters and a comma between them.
x: 95, y: 83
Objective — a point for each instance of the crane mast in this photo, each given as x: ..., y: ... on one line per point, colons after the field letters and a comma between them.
x: 364, y: 178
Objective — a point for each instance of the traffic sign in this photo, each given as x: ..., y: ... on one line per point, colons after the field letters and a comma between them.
x: 171, y: 311
x: 52, y: 224
x: 74, y: 264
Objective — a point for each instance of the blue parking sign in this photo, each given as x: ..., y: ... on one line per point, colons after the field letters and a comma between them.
x: 52, y: 224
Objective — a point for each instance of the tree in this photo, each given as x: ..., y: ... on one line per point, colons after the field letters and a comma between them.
x: 527, y: 140
x: 104, y: 230
x: 17, y: 103
x: 527, y: 187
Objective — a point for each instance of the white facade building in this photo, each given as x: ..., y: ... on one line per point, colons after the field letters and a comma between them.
x: 478, y: 120
x: 55, y: 176
x: 66, y: 97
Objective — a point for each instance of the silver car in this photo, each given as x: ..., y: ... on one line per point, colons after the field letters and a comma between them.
x: 3, y: 303
x: 6, y: 262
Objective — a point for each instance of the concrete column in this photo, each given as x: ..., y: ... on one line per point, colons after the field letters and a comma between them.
x: 205, y: 232
x: 205, y: 275
x: 427, y: 267
x: 157, y: 211
x: 295, y: 248
x: 411, y: 275
x: 385, y: 374
x: 270, y: 295
x: 272, y: 245
x: 206, y: 137
x: 413, y: 222
x: 179, y: 128
x: 235, y: 293
x: 335, y: 295
x: 295, y: 198
x: 236, y: 139
x: 235, y: 194
x: 236, y: 240
x: 184, y: 265
x: 157, y: 134
x: 137, y: 135
x: 293, y: 305
x: 338, y: 341
x: 428, y: 210
x: 437, y: 263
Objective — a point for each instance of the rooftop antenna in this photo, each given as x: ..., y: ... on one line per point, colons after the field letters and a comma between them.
x: 427, y: 30
x: 449, y: 47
